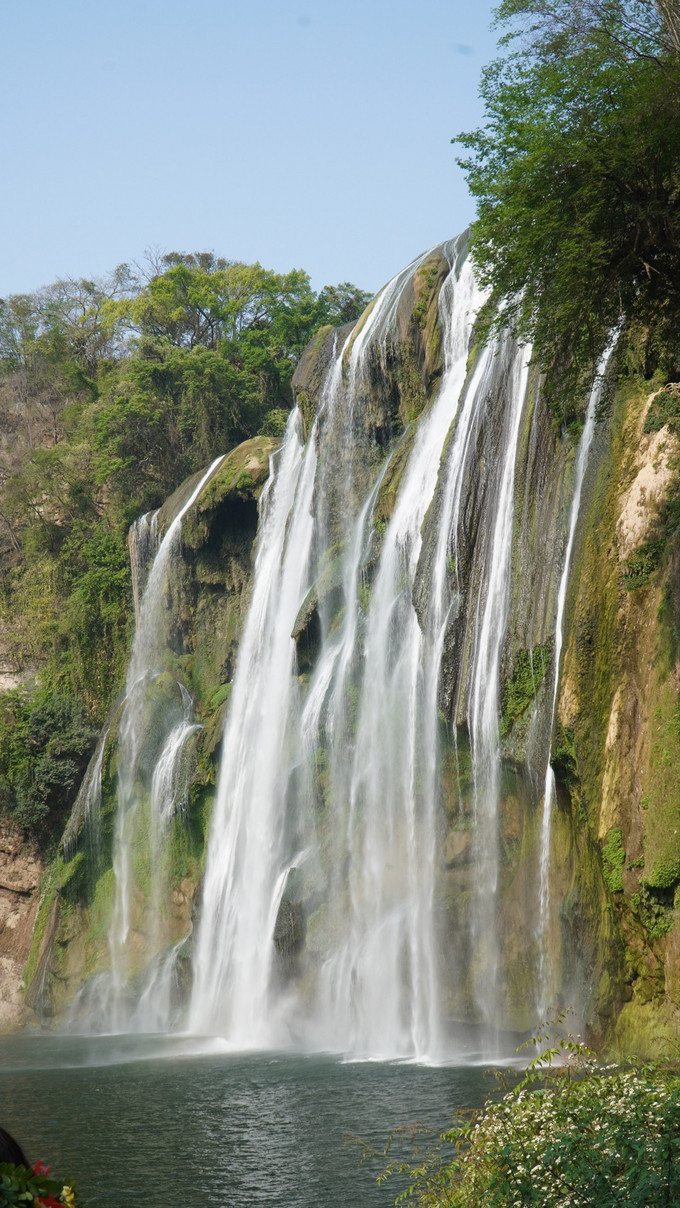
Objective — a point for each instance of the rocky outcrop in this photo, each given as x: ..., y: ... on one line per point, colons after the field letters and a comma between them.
x: 20, y: 875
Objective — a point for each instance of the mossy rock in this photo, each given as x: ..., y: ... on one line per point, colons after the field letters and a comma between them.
x: 325, y: 592
x: 310, y: 374
x: 614, y: 857
x: 427, y: 283
x: 647, y: 1029
x: 240, y: 477
x: 662, y: 817
x: 521, y: 686
x: 392, y: 479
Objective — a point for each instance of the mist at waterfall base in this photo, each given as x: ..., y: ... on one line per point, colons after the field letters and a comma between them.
x: 157, y: 1121
x: 329, y: 794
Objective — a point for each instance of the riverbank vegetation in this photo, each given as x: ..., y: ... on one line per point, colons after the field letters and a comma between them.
x: 569, y: 1135
x: 112, y: 392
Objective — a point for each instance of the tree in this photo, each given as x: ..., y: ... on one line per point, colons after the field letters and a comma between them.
x: 112, y: 392
x: 577, y: 177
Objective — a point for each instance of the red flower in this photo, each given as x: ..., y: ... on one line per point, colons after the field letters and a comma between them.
x: 40, y: 1168
x: 49, y: 1201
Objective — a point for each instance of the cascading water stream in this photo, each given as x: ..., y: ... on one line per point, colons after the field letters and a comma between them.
x: 86, y: 810
x: 481, y: 617
x: 249, y: 848
x: 378, y: 988
x: 483, y: 708
x: 148, y: 658
x: 366, y: 710
x: 169, y: 791
x: 550, y: 788
x: 254, y: 845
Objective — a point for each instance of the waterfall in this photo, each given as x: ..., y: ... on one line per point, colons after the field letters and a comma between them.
x: 379, y: 989
x: 250, y: 848
x: 137, y: 846
x: 384, y: 619
x: 87, y: 806
x: 491, y: 612
x: 365, y: 838
x: 471, y: 601
x: 550, y: 787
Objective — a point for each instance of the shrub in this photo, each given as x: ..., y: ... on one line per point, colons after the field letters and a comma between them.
x: 570, y: 1135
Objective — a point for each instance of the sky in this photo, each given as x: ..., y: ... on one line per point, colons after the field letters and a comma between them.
x: 308, y: 134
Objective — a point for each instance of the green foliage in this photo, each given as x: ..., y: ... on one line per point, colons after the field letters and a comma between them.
x: 112, y: 393
x: 21, y: 1186
x: 614, y: 859
x: 654, y: 908
x: 640, y: 566
x: 664, y: 409
x: 90, y: 651
x: 662, y: 818
x: 521, y: 687
x: 45, y: 744
x: 576, y: 172
x: 218, y: 698
x: 568, y: 1134
x: 563, y: 758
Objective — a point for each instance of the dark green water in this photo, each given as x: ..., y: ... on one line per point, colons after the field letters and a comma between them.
x: 166, y: 1123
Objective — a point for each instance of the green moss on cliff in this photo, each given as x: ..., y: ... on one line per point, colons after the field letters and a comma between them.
x: 662, y: 818
x: 49, y: 892
x: 394, y: 472
x: 520, y: 688
x: 101, y: 910
x: 614, y: 859
x: 412, y: 393
x: 641, y: 564
x: 427, y: 283
x: 597, y: 656
x: 646, y: 1029
x: 664, y: 409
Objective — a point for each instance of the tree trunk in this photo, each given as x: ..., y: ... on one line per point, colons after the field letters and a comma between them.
x: 670, y: 15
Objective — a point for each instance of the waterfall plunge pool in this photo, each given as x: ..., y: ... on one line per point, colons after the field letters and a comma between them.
x: 170, y: 1121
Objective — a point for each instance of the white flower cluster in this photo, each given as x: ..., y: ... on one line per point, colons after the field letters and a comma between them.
x: 606, y: 1139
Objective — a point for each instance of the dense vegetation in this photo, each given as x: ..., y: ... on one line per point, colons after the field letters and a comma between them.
x: 570, y: 1135
x: 576, y: 173
x: 111, y: 393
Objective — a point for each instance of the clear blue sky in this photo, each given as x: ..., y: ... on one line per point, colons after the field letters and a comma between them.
x: 302, y: 133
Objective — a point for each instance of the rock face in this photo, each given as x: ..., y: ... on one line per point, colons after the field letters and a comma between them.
x: 619, y: 702
x: 613, y: 932
x: 20, y: 876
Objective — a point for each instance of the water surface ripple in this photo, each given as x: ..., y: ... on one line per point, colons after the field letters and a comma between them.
x: 166, y: 1122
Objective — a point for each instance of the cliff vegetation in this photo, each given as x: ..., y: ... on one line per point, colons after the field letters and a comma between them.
x: 112, y: 393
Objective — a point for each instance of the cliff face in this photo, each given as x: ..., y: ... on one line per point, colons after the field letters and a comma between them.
x: 205, y: 597
x: 20, y: 875
x: 604, y: 935
x: 619, y: 703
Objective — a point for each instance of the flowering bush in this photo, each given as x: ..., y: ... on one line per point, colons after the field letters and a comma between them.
x: 32, y: 1188
x: 569, y: 1136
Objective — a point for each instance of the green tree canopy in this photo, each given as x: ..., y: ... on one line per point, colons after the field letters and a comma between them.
x: 576, y: 173
x: 112, y: 392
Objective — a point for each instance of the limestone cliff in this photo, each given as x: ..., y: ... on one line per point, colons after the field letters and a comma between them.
x: 619, y: 702
x: 20, y: 874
